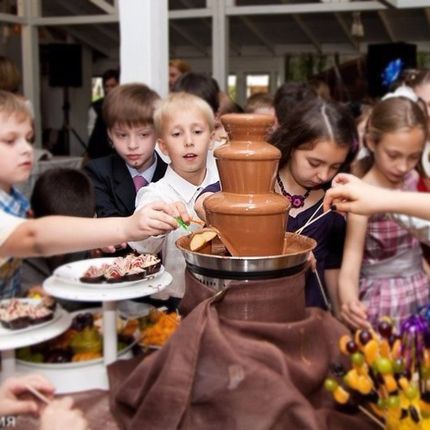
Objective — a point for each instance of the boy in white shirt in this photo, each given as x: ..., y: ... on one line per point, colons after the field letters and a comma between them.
x: 184, y: 124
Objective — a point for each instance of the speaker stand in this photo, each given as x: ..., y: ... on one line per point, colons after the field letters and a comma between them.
x: 66, y: 127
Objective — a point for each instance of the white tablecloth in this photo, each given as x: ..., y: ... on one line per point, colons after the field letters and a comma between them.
x: 44, y: 165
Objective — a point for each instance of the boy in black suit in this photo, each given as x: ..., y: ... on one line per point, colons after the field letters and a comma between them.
x: 127, y: 111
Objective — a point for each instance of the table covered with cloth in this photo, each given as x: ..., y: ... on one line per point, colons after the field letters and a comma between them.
x: 250, y: 358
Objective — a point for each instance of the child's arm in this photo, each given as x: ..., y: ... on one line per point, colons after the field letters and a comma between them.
x: 57, y: 234
x: 331, y: 277
x: 353, y: 312
x: 152, y: 243
x: 418, y: 227
x: 350, y: 194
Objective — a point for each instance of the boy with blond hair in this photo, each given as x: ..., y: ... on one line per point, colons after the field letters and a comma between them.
x: 184, y: 124
x: 16, y: 161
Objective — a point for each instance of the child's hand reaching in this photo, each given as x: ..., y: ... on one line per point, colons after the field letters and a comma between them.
x: 354, y: 314
x: 351, y: 194
x: 59, y: 415
x: 12, y: 388
x: 157, y: 218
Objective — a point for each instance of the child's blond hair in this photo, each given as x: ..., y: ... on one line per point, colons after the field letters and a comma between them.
x: 13, y: 105
x: 181, y: 101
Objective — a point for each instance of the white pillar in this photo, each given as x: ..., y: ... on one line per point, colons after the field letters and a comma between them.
x: 144, y: 53
x: 30, y: 61
x: 220, y: 32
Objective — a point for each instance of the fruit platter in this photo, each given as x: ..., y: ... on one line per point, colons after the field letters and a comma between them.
x: 82, y: 342
x: 157, y: 327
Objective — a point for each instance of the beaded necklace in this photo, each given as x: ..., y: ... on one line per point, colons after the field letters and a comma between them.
x: 296, y: 200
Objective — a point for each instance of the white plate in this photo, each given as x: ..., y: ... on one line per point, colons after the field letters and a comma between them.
x: 7, y: 331
x: 73, y: 365
x: 72, y: 272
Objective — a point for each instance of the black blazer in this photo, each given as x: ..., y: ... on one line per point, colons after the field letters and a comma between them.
x: 114, y: 187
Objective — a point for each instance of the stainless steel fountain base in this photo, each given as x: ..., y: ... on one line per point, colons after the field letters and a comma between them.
x: 209, y: 267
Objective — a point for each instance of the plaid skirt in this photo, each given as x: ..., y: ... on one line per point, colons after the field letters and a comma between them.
x: 397, y: 298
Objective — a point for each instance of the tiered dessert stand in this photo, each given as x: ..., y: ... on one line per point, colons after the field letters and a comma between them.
x: 73, y: 377
x: 12, y: 339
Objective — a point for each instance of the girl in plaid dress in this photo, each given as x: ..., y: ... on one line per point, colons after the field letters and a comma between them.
x: 382, y: 271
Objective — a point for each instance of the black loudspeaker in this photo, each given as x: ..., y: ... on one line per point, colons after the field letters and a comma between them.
x: 64, y: 64
x: 388, y: 60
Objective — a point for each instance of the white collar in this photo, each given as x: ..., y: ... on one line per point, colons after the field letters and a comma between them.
x: 148, y: 174
x: 185, y: 189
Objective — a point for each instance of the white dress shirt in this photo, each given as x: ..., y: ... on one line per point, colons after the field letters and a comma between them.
x: 171, y: 188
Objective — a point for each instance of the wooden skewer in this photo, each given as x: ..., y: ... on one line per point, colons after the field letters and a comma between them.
x: 371, y: 416
x: 300, y: 230
x: 37, y: 394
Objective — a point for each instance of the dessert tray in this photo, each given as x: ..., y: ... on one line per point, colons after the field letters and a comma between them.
x: 117, y: 269
x: 34, y: 333
x: 23, y: 314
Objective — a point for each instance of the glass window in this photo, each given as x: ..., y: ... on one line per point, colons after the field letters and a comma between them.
x: 232, y: 85
x: 257, y: 84
x: 96, y: 88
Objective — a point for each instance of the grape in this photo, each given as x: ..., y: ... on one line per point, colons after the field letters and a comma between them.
x: 330, y: 384
x: 351, y: 347
x: 364, y: 337
x: 411, y: 392
x: 385, y: 329
x: 384, y: 365
x: 393, y: 402
x: 357, y: 359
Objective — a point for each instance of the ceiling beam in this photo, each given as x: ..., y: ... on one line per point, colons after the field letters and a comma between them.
x: 308, y: 33
x: 14, y: 19
x: 232, y: 46
x: 258, y: 33
x: 85, y: 39
x: 392, y: 4
x: 75, y: 20
x: 104, y: 6
x: 347, y: 31
x: 189, y: 38
x: 387, y: 25
x: 354, y: 6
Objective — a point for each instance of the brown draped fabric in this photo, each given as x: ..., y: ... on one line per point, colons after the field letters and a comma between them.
x: 251, y: 358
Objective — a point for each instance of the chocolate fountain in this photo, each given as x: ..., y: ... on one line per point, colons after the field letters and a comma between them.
x: 248, y: 215
x: 250, y: 355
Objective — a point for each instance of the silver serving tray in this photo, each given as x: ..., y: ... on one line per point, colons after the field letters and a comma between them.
x: 297, y: 251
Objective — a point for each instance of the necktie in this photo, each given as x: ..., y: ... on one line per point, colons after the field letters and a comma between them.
x: 139, y: 182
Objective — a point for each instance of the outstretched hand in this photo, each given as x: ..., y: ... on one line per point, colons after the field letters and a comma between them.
x: 157, y: 218
x: 13, y: 388
x: 60, y: 415
x: 354, y: 314
x: 351, y: 194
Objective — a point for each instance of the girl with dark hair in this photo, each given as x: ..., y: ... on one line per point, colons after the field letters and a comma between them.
x: 317, y: 140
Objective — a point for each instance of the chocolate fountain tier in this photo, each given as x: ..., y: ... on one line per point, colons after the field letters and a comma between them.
x: 249, y: 224
x: 246, y: 163
x: 297, y: 249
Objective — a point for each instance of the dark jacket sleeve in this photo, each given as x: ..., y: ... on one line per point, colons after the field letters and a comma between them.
x: 106, y: 203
